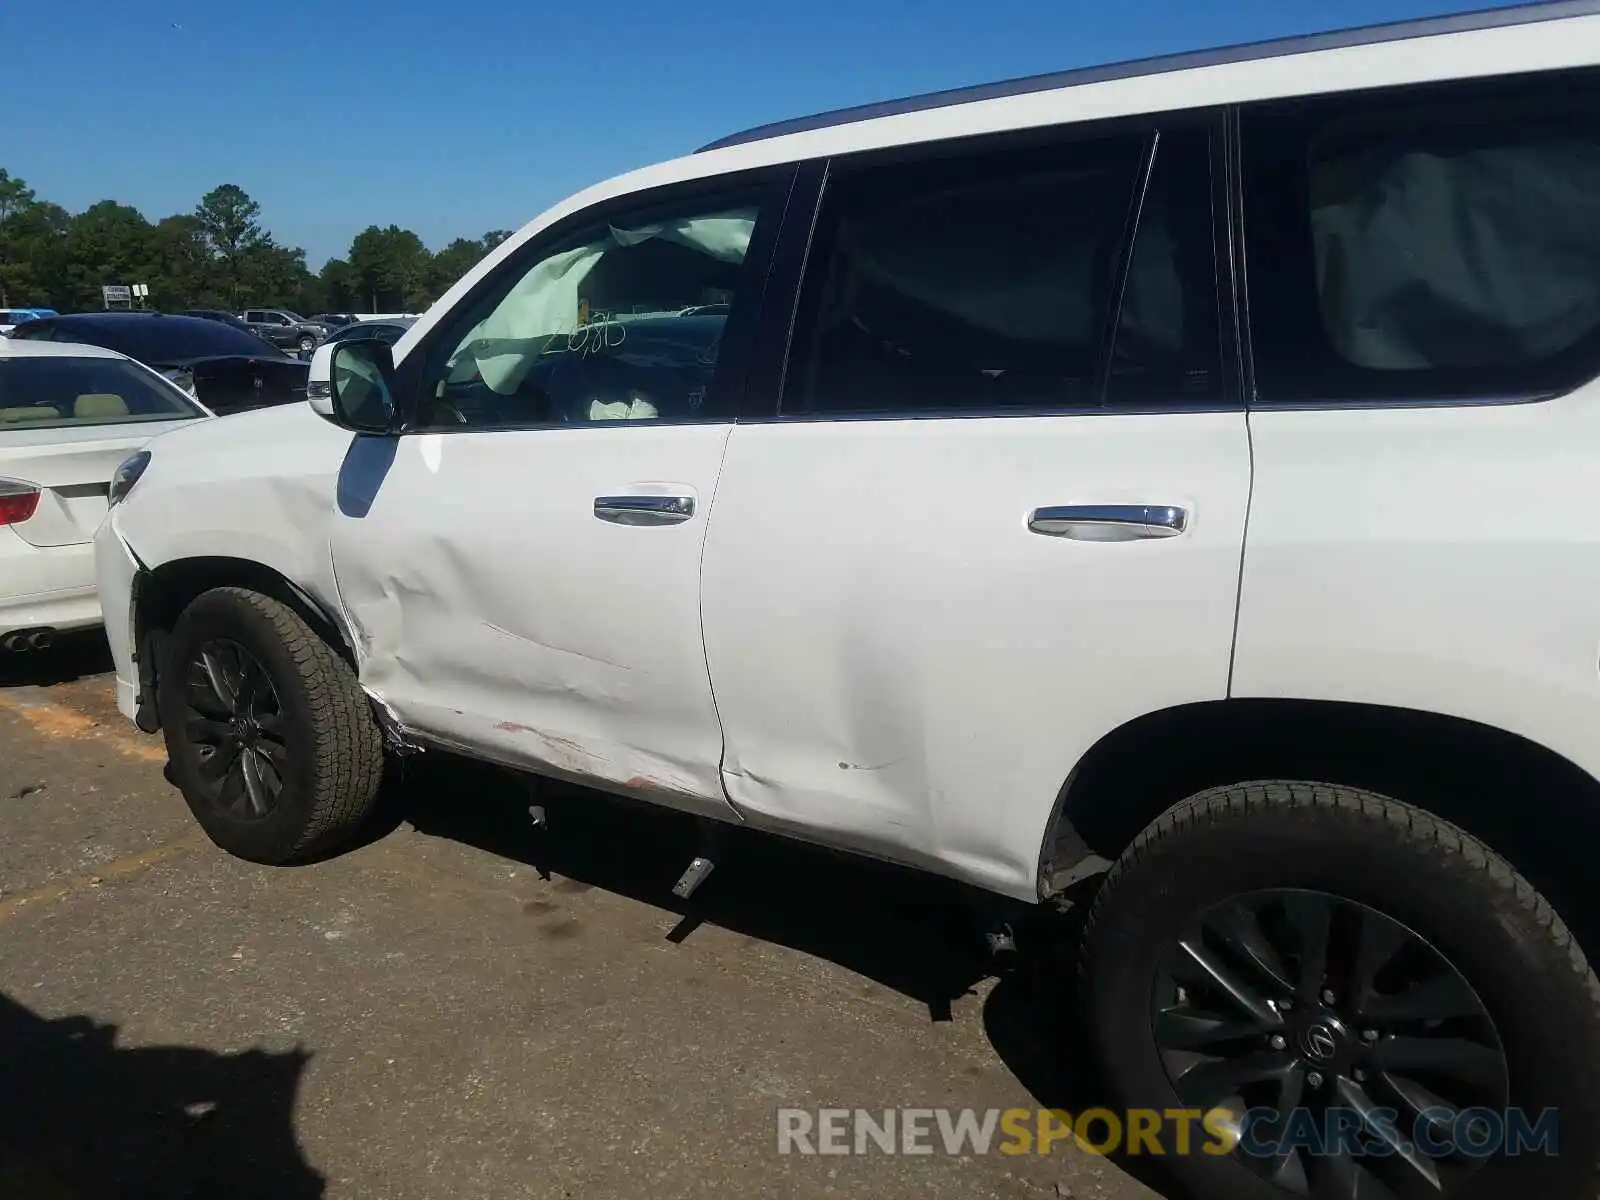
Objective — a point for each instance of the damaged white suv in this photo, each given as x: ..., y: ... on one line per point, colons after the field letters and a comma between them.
x: 1187, y: 468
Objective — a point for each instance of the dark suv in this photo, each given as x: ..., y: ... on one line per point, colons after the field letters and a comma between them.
x: 284, y: 328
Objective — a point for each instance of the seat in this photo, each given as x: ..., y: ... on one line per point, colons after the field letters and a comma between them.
x: 96, y: 406
x: 35, y: 412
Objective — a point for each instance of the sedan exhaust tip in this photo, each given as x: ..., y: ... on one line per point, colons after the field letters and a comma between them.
x: 23, y: 640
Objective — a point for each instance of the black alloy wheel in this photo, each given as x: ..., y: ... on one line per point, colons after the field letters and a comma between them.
x: 235, y: 722
x: 1292, y: 1005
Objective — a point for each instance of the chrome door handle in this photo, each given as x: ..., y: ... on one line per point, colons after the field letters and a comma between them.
x: 644, y: 510
x: 1109, y: 522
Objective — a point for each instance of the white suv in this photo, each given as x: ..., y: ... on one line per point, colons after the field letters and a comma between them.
x: 1183, y: 468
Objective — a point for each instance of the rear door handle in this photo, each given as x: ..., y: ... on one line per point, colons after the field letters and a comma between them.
x: 1109, y: 522
x: 644, y: 510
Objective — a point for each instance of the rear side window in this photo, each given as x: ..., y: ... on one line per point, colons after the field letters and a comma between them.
x: 1435, y: 245
x: 55, y: 390
x: 988, y: 282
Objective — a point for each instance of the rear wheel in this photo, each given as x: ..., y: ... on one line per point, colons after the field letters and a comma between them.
x: 271, y: 740
x: 1373, y: 1003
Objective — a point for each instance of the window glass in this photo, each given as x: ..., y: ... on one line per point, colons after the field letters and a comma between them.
x: 55, y: 390
x: 964, y: 283
x: 1168, y: 350
x: 1435, y: 244
x: 624, y: 323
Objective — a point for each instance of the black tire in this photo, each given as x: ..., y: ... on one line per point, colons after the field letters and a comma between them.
x: 1470, y: 906
x: 307, y: 344
x: 327, y: 747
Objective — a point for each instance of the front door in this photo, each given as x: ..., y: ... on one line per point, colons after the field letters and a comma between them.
x: 523, y: 570
x: 1001, y: 508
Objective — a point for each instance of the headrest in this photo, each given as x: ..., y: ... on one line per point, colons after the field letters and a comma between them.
x: 99, y: 404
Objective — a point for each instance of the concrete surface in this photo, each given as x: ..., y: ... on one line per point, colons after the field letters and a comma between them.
x: 464, y: 1006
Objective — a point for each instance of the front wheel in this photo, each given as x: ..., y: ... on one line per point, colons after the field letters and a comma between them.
x: 1364, y: 1000
x: 271, y: 739
x: 308, y: 345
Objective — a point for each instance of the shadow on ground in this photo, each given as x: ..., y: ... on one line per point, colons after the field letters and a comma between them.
x: 920, y: 935
x: 82, y: 1118
x: 73, y: 656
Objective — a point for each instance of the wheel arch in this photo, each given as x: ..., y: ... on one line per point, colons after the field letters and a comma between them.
x: 1531, y: 804
x: 162, y: 593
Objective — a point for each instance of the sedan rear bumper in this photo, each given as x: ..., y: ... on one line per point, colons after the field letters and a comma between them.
x: 46, y: 588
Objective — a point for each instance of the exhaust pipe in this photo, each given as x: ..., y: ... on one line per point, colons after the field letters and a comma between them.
x: 23, y: 640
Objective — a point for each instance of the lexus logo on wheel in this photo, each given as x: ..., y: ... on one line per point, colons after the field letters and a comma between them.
x: 1320, y: 1042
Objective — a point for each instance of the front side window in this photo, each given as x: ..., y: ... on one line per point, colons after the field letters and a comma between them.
x: 56, y: 390
x: 621, y: 323
x: 1433, y: 245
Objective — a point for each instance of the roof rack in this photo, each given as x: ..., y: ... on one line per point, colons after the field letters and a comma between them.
x: 1366, y: 35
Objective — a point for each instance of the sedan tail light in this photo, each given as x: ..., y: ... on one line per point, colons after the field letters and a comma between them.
x: 18, y: 501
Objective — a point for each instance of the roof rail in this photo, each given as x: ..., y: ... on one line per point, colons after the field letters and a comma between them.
x: 1391, y: 31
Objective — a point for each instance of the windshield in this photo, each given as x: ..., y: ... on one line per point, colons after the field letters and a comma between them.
x: 55, y: 390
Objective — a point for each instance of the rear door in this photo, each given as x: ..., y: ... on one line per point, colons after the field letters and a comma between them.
x: 1000, y: 508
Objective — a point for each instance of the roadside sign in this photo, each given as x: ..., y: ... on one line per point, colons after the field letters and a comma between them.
x: 117, y: 293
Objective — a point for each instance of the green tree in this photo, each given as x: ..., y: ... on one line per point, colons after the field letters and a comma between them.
x: 451, y: 263
x: 33, y: 254
x: 107, y: 243
x: 230, y: 224
x: 338, y: 286
x: 390, y: 269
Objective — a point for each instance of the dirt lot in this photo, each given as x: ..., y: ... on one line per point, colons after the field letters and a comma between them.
x: 466, y: 1006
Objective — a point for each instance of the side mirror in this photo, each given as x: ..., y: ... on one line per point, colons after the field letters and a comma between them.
x: 361, y: 392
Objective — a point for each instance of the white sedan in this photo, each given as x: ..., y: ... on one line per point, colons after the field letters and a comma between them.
x: 70, y: 417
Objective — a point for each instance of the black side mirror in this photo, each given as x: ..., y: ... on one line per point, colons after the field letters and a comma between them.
x: 362, y: 386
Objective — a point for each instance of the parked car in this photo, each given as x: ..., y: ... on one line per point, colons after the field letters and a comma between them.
x: 216, y: 314
x: 227, y: 369
x: 1167, y: 488
x: 69, y: 415
x: 388, y: 332
x: 334, y: 320
x: 285, y: 329
x: 10, y: 318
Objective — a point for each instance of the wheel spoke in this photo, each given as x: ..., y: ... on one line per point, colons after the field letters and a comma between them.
x: 267, y: 770
x: 220, y: 761
x: 1439, y: 999
x: 1240, y: 929
x: 207, y: 730
x: 1355, y: 1097
x: 1192, y: 1029
x: 1200, y: 963
x: 271, y: 723
x: 1339, y: 1175
x: 219, y: 674
x: 255, y: 789
x: 231, y: 795
x: 1312, y: 918
x: 1280, y: 1167
x: 1457, y: 1059
x: 1209, y: 1083
x: 1376, y: 946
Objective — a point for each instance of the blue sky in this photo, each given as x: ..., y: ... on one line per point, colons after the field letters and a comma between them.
x: 451, y: 117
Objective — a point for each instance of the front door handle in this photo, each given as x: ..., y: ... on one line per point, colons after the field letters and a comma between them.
x: 644, y: 510
x: 1109, y: 522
